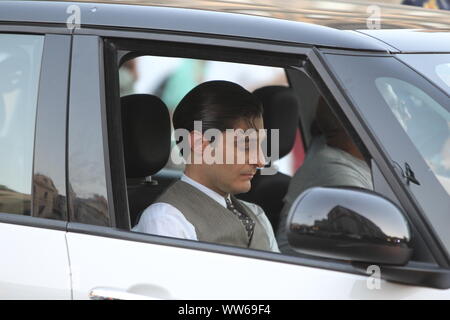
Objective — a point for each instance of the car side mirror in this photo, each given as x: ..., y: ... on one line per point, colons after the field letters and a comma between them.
x: 349, y: 224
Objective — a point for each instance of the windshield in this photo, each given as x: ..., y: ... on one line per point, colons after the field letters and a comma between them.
x: 435, y: 67
x: 424, y: 120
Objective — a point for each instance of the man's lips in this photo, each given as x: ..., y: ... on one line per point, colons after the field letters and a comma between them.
x: 250, y: 175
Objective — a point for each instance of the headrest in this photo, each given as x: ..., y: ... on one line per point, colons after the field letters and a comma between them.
x: 146, y: 134
x: 280, y: 112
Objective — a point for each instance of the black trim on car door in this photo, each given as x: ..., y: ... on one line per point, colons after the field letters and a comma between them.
x: 88, y: 156
x: 114, y: 120
x: 49, y: 168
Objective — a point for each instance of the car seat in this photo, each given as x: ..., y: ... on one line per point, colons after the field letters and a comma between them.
x: 146, y: 139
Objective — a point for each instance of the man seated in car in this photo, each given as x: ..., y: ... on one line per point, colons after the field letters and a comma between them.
x: 332, y: 160
x: 201, y: 205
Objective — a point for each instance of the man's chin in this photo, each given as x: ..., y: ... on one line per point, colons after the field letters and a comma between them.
x: 242, y: 188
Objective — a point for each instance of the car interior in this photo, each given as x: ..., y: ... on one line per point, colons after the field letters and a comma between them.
x: 150, y: 77
x: 147, y: 130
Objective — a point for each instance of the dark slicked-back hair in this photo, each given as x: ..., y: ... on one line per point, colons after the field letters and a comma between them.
x: 219, y: 105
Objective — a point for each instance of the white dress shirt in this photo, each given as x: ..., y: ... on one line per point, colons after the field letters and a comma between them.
x: 165, y: 220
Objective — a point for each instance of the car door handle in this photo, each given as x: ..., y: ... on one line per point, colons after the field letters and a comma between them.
x: 102, y: 293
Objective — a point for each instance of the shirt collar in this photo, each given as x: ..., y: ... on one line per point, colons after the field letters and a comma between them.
x: 212, y: 194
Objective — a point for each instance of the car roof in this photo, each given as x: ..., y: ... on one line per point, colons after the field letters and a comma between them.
x: 333, y: 24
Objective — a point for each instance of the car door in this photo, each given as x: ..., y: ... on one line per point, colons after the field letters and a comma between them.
x: 110, y: 262
x: 34, y: 70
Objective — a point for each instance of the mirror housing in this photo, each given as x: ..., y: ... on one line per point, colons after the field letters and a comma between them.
x: 349, y: 224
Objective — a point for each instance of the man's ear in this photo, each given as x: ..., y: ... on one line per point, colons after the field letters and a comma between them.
x: 196, y: 142
x: 205, y: 143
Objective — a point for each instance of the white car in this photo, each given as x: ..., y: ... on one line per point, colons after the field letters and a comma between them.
x: 68, y: 199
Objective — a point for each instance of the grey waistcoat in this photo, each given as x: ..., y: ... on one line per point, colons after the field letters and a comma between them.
x: 213, y: 222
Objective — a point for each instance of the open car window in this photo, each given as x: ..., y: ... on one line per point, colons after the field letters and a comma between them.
x: 171, y: 79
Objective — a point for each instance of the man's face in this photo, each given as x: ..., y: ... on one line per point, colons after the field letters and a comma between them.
x: 244, y: 157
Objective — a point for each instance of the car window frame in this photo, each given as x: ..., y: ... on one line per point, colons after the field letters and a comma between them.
x: 122, y: 231
x: 119, y: 232
x: 54, y: 68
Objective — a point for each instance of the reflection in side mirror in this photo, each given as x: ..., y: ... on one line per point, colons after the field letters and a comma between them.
x: 349, y: 224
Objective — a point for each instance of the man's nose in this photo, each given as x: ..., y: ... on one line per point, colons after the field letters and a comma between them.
x: 261, y: 161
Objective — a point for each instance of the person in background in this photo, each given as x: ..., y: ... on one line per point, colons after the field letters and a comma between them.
x: 128, y: 75
x: 429, y: 4
x: 332, y: 160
